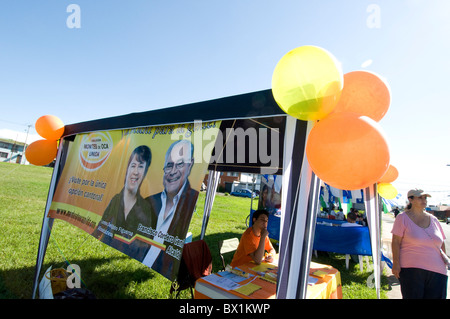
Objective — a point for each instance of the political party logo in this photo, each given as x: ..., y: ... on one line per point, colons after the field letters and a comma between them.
x: 95, y: 149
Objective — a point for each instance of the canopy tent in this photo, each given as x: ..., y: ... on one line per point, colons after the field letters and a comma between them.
x: 280, y: 151
x: 371, y: 200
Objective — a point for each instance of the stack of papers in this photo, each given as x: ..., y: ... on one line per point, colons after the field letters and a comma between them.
x: 248, y: 289
x: 320, y: 273
x: 312, y: 280
x: 233, y: 277
x: 263, y: 267
x: 222, y: 282
x: 230, y: 281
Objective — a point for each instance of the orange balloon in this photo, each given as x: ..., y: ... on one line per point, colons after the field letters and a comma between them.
x: 390, y: 176
x: 41, y: 152
x: 49, y: 127
x: 364, y: 93
x: 348, y: 151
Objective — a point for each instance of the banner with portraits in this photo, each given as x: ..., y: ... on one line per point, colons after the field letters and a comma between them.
x: 270, y: 194
x: 270, y: 200
x: 136, y: 189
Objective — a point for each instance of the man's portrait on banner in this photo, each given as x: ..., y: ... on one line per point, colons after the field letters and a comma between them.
x: 173, y: 206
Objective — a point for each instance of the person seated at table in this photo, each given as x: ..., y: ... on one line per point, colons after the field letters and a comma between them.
x: 254, y: 242
x: 340, y: 214
x: 332, y: 213
x: 361, y: 220
x: 351, y: 220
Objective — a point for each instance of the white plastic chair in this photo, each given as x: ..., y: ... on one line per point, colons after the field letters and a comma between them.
x: 361, y: 263
x: 227, y: 246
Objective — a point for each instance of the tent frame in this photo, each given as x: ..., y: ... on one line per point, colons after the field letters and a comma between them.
x: 300, y: 197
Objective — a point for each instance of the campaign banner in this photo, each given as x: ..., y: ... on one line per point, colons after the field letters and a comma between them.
x: 136, y: 189
x: 270, y: 200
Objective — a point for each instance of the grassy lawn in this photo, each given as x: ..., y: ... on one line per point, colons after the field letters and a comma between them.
x: 105, y: 271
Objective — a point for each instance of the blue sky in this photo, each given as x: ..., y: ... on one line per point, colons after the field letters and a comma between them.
x: 133, y: 56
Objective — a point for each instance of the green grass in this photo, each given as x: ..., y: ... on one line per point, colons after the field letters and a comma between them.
x: 105, y: 271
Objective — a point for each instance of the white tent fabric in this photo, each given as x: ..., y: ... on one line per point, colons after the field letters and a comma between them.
x: 300, y: 201
x: 373, y: 219
x: 47, y: 222
x: 335, y: 192
x: 213, y: 180
x: 356, y: 194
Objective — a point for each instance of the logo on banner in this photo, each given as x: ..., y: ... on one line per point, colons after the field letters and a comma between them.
x: 95, y: 149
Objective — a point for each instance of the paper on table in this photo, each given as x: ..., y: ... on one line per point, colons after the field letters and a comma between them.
x: 248, y: 289
x: 312, y: 280
x: 320, y: 273
x: 221, y: 282
x: 263, y: 267
x: 233, y: 277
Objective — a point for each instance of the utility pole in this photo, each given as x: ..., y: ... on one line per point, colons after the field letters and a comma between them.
x: 25, y: 146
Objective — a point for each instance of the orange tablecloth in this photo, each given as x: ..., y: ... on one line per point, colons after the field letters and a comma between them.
x: 328, y: 285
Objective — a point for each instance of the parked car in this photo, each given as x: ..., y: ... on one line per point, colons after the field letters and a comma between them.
x: 245, y: 192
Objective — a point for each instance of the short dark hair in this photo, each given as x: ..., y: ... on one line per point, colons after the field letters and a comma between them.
x: 260, y: 212
x: 143, y: 154
x: 351, y: 216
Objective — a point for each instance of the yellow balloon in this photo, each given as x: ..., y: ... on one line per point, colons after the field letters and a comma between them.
x: 387, y: 190
x: 307, y: 83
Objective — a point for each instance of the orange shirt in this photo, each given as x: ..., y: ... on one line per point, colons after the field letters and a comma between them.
x: 247, y: 245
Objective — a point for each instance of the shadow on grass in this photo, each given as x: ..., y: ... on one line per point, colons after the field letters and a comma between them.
x: 110, y: 283
x: 101, y: 275
x: 212, y: 240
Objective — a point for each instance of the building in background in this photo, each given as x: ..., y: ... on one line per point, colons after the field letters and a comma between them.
x: 231, y: 181
x: 12, y: 151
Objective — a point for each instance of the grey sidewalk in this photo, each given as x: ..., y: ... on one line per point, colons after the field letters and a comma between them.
x: 386, y: 227
x: 394, y: 284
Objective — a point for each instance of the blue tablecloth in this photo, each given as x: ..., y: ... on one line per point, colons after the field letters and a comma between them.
x: 333, y: 221
x: 337, y: 239
x: 343, y: 240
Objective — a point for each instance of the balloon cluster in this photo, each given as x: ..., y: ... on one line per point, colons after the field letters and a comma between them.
x: 43, y: 152
x: 385, y: 188
x: 346, y: 147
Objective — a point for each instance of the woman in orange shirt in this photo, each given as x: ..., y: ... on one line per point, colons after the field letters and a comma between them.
x: 254, y: 242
